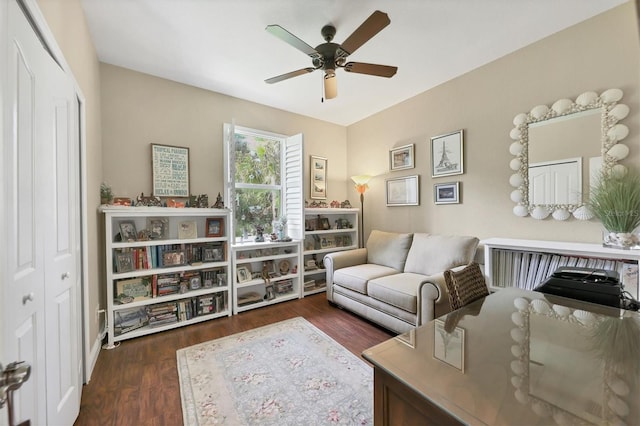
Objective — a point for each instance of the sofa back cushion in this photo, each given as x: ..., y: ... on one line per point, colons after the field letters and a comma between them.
x: 388, y: 249
x: 433, y: 254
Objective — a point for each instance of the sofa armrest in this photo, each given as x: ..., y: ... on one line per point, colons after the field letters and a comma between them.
x: 433, y: 297
x: 341, y: 259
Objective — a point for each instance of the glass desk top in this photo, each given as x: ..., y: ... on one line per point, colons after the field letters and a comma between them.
x: 523, y: 358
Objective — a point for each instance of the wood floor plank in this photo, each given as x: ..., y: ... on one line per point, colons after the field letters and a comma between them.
x: 137, y: 383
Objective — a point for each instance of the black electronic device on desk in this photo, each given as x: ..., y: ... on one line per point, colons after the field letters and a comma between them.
x: 587, y: 284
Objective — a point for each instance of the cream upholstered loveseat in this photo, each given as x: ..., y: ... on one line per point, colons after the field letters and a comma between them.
x: 397, y: 280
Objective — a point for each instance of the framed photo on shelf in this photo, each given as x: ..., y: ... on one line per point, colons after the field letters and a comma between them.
x: 128, y: 231
x: 170, y: 165
x: 270, y: 292
x: 187, y: 230
x: 215, y: 227
x: 124, y: 261
x: 213, y: 254
x: 401, y: 158
x: 324, y: 224
x: 403, y: 191
x: 158, y: 228
x: 448, y: 347
x: 446, y: 193
x: 136, y: 288
x: 318, y: 178
x: 173, y: 258
x: 243, y: 274
x: 447, y: 154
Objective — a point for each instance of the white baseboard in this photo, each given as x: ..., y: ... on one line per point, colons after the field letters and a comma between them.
x: 93, y: 356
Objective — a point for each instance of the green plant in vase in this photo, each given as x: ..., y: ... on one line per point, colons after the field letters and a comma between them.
x: 615, y: 200
x: 106, y: 194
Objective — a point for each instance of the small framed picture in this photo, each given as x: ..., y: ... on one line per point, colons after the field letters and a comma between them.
x: 270, y: 292
x: 401, y: 158
x: 158, y: 228
x: 187, y: 230
x: 324, y: 224
x: 403, y: 191
x: 128, y: 231
x: 447, y: 154
x: 173, y: 258
x: 195, y: 282
x: 318, y: 178
x: 215, y: 227
x: 446, y: 193
x: 213, y: 254
x: 124, y: 261
x: 448, y: 347
x: 243, y: 274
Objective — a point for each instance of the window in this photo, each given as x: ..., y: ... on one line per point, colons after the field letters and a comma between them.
x: 263, y: 172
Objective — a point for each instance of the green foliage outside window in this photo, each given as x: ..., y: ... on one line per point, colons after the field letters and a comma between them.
x: 258, y: 191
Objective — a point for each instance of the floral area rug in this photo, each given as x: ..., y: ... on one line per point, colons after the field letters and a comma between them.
x: 288, y: 373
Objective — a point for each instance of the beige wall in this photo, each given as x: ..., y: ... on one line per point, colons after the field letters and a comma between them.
x: 598, y: 54
x: 66, y: 20
x: 139, y: 109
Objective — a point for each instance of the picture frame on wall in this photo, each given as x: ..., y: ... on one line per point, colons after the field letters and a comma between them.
x: 447, y: 155
x: 446, y: 193
x: 318, y: 177
x: 403, y: 191
x: 401, y: 158
x: 170, y: 169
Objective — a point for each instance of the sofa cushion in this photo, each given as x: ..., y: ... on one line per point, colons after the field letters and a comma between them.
x: 433, y: 254
x: 399, y: 290
x: 356, y: 277
x: 388, y: 249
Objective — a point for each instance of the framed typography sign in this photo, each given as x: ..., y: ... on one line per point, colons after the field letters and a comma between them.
x: 170, y: 166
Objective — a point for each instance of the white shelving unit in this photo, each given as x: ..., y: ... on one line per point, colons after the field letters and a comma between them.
x: 327, y: 230
x: 502, y: 270
x: 279, y: 260
x: 137, y: 268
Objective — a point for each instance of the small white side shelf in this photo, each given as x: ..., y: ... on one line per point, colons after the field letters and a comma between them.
x: 162, y: 281
x: 327, y: 230
x: 280, y: 261
x: 527, y: 263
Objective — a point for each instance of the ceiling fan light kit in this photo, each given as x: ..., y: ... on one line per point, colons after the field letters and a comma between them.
x: 329, y: 56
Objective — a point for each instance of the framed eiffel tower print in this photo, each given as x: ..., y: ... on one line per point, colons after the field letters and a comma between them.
x: 447, y: 157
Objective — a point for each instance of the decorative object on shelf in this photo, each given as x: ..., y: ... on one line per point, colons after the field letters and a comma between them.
x: 187, y: 229
x: 202, y: 201
x: 138, y: 288
x: 219, y: 204
x: 447, y: 154
x: 345, y: 204
x: 280, y: 229
x: 318, y: 178
x: 594, y: 121
x: 124, y: 262
x: 361, y: 184
x: 401, y: 158
x: 243, y: 274
x: 446, y: 193
x: 403, y: 191
x: 173, y: 258
x: 106, y: 194
x: 175, y: 204
x: 259, y: 234
x: 284, y: 266
x: 158, y: 228
x: 215, y: 227
x: 122, y: 201
x: 335, y: 204
x: 170, y: 166
x: 128, y: 231
x: 615, y: 200
x: 152, y: 201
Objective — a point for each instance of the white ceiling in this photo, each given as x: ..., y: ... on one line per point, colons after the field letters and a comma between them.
x: 222, y: 45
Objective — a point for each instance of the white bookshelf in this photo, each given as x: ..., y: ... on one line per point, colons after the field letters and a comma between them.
x: 194, y: 276
x: 527, y: 263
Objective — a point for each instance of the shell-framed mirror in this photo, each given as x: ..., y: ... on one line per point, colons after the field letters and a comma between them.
x: 558, y: 150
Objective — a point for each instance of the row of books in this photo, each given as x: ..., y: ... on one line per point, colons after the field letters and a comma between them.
x: 527, y: 270
x: 169, y: 255
x: 160, y: 314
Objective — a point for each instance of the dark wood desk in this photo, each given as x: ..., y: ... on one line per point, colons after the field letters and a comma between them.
x: 515, y: 358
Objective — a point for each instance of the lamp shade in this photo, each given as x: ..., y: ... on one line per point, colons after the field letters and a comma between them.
x: 361, y: 182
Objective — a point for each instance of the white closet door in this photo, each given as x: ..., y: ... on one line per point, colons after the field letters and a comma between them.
x: 41, y: 279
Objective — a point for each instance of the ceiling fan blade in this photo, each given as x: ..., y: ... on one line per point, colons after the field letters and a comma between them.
x: 369, y: 28
x: 294, y: 41
x: 330, y: 86
x: 371, y: 69
x: 289, y: 75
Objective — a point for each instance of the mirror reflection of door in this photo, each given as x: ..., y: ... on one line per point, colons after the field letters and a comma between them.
x: 556, y: 182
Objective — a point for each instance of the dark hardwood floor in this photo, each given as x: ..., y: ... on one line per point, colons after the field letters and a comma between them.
x: 137, y: 383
